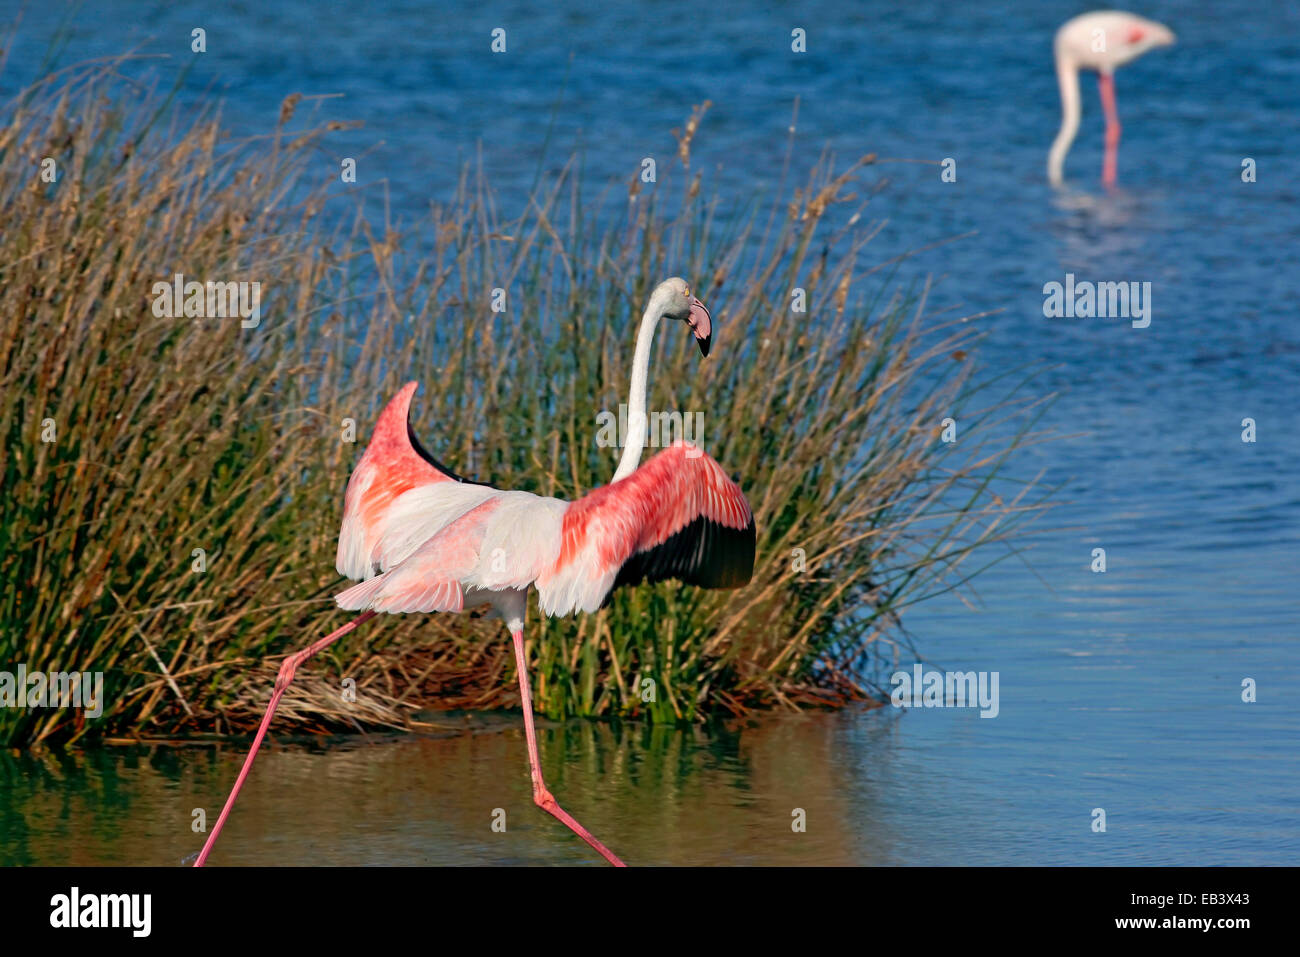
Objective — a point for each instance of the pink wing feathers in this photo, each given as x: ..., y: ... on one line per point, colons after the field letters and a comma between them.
x: 677, y: 516
x: 394, y: 463
x: 430, y: 578
x: 423, y: 527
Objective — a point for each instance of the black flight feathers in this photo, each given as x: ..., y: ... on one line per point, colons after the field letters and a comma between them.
x: 702, y: 553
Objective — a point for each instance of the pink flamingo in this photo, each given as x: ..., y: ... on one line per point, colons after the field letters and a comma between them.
x: 422, y: 539
x: 1099, y: 41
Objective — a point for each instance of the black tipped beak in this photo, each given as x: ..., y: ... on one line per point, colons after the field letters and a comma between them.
x: 701, y: 324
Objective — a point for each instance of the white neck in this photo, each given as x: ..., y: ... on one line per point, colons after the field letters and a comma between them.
x: 1068, y: 76
x: 634, y: 443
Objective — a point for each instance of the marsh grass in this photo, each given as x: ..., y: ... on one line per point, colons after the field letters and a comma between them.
x: 172, y: 435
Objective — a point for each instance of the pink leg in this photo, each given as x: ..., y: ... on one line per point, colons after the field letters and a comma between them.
x: 282, y: 682
x: 542, y: 797
x: 1110, y: 166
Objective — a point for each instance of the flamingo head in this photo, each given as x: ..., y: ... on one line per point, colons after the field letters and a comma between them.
x: 1136, y: 36
x: 680, y: 304
x: 1147, y: 35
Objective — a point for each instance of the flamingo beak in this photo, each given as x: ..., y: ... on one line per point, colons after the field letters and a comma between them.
x: 701, y: 324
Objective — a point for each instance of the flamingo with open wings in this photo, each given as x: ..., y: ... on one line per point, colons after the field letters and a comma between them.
x: 422, y: 539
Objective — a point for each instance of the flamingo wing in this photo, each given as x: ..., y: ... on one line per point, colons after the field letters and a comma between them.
x: 430, y: 578
x: 395, y: 592
x: 677, y: 516
x: 378, y: 530
x: 500, y: 545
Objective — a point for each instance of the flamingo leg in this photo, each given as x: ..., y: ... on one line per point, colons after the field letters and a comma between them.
x: 541, y: 796
x: 1110, y: 165
x: 282, y: 682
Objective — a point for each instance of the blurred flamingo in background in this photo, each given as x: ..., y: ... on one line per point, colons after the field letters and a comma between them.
x: 422, y: 539
x: 1099, y: 41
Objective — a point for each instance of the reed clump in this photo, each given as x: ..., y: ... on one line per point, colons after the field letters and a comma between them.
x: 173, y: 486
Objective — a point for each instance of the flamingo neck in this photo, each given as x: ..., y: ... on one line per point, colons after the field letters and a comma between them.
x: 634, y: 443
x: 1067, y: 74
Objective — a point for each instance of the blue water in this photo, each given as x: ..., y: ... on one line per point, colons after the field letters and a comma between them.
x: 1120, y: 690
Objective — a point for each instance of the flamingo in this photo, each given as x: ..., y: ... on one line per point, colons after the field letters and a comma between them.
x: 1101, y: 41
x: 421, y: 539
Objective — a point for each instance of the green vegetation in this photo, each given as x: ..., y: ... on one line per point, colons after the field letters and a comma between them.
x: 171, y: 435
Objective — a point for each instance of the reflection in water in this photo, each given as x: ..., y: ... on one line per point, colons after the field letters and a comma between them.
x: 933, y: 786
x: 1098, y: 229
x: 656, y: 795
